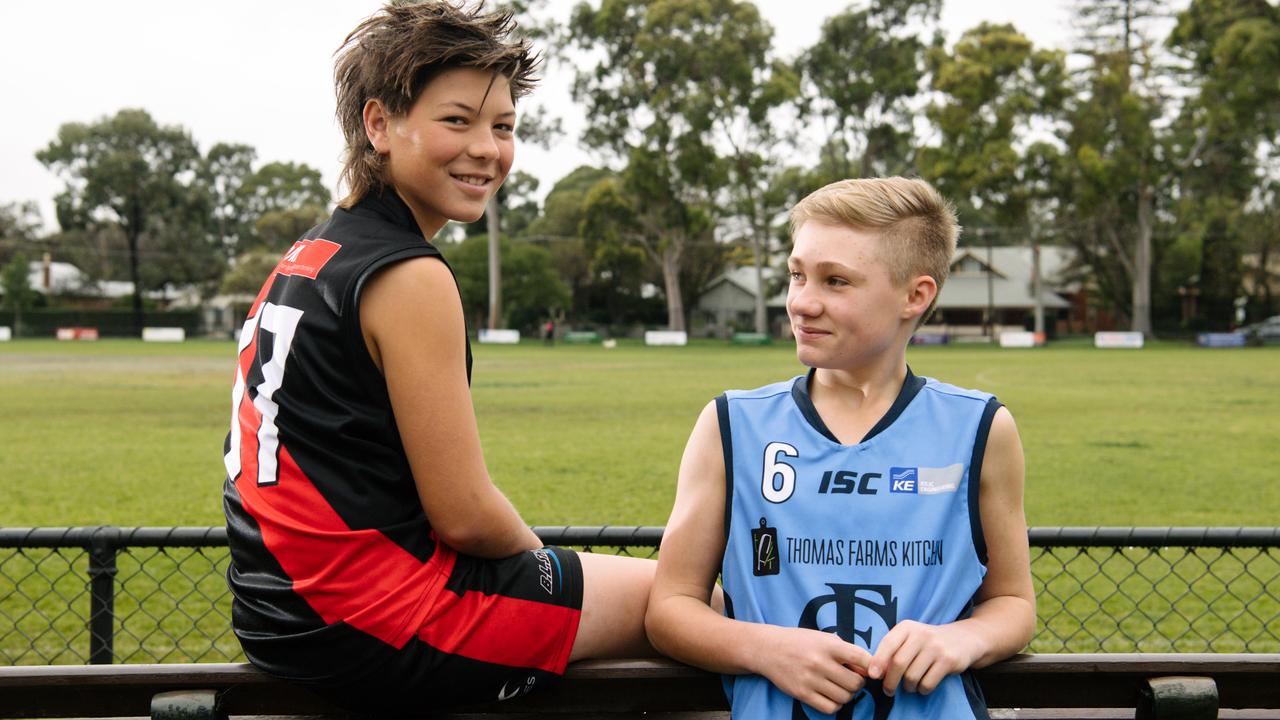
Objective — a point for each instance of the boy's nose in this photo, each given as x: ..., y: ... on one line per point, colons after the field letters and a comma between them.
x: 483, y: 146
x: 803, y: 303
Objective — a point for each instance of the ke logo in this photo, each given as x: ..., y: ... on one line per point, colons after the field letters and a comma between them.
x: 764, y: 543
x: 879, y: 600
x: 904, y: 480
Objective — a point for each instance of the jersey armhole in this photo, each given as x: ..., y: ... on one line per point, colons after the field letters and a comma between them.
x: 352, y: 331
x: 975, y: 477
x: 726, y: 446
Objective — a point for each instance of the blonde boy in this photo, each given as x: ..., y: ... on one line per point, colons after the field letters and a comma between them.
x: 866, y: 522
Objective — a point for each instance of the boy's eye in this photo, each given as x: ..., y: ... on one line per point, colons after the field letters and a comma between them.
x: 795, y: 276
x: 455, y: 120
x: 505, y: 127
x: 837, y: 281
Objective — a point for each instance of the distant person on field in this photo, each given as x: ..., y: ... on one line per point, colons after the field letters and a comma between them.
x: 372, y: 558
x: 866, y: 522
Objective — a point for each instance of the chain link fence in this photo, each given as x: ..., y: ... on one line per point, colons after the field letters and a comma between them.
x: 143, y: 595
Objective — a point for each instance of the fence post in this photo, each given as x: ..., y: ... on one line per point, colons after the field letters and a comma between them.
x: 102, y: 594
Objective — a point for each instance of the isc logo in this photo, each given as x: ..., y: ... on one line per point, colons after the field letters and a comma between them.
x: 904, y: 480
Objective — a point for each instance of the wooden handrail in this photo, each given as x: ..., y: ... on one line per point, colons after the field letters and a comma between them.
x: 620, y: 687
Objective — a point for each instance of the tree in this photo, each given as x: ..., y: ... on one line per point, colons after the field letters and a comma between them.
x: 536, y: 126
x: 275, y: 231
x: 993, y: 86
x: 278, y: 186
x: 745, y: 102
x: 249, y: 272
x: 557, y: 229
x: 1233, y: 50
x: 530, y: 285
x: 282, y: 199
x: 18, y: 294
x: 1123, y: 161
x: 129, y: 172
x: 1110, y: 179
x: 223, y: 171
x: 1259, y: 228
x: 19, y: 226
x: 651, y: 102
x: 858, y: 79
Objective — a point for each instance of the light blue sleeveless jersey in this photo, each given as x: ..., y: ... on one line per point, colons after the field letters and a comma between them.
x: 853, y: 539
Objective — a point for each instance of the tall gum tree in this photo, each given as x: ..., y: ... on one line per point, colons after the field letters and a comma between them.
x: 128, y: 171
x: 990, y: 89
x: 748, y: 103
x: 650, y: 100
x: 859, y: 79
x: 1123, y: 160
x: 1233, y: 50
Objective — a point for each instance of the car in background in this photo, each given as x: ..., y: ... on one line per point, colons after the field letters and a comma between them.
x: 1266, y: 332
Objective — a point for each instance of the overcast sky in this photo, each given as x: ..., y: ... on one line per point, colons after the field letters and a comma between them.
x: 259, y: 72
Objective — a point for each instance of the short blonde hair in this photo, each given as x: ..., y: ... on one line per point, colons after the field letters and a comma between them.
x: 917, y: 226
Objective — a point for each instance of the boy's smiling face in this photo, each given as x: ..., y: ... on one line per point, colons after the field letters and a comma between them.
x: 449, y: 154
x: 845, y: 309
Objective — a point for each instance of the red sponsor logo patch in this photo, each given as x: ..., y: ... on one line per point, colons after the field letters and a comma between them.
x: 306, y: 257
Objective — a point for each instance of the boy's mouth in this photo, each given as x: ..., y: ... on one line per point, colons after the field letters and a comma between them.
x: 476, y: 180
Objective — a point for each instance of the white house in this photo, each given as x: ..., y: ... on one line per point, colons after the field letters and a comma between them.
x: 53, y: 278
x: 728, y: 304
x: 1001, y: 287
x: 969, y: 294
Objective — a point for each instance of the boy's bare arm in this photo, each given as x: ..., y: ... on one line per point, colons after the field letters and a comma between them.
x: 422, y: 357
x: 811, y: 666
x: 918, y: 655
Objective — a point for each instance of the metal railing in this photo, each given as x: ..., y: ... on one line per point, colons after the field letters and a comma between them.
x: 107, y: 594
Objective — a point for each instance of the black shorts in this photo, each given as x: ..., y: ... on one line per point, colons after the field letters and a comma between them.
x: 497, y: 630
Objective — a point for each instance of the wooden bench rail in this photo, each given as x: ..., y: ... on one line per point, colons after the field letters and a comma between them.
x: 662, y: 688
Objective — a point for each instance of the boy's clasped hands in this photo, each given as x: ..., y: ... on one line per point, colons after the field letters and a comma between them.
x: 825, y: 672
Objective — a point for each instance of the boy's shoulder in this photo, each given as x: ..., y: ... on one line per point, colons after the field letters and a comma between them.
x: 782, y: 387
x: 937, y: 386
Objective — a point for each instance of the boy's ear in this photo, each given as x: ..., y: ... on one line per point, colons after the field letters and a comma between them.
x: 376, y: 126
x: 921, y: 291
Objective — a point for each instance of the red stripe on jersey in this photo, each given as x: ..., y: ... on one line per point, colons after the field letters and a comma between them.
x: 502, y: 630
x: 355, y: 576
x: 262, y: 295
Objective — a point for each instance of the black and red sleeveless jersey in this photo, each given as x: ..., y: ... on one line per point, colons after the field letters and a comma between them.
x: 323, y: 518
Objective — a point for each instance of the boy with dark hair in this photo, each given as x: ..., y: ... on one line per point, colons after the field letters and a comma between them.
x: 372, y: 558
x: 866, y: 522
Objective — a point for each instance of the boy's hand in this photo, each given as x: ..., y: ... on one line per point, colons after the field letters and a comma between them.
x: 920, y: 656
x: 816, y: 668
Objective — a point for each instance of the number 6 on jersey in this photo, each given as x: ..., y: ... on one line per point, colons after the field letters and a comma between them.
x: 769, y: 485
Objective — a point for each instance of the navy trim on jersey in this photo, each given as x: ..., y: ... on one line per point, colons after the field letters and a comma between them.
x: 973, y: 693
x: 726, y: 444
x: 975, y: 477
x: 911, y: 386
x: 800, y: 394
x: 972, y: 690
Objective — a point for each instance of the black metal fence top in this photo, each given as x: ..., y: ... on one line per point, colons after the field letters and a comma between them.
x: 108, y: 594
x: 105, y: 536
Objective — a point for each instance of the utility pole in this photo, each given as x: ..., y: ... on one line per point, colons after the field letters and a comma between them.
x: 991, y: 288
x: 1036, y: 289
x: 495, y: 263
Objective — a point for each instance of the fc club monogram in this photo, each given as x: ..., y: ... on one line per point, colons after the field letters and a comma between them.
x: 847, y: 598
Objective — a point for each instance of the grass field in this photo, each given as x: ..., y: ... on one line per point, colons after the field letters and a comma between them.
x: 118, y: 432
x: 122, y: 433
